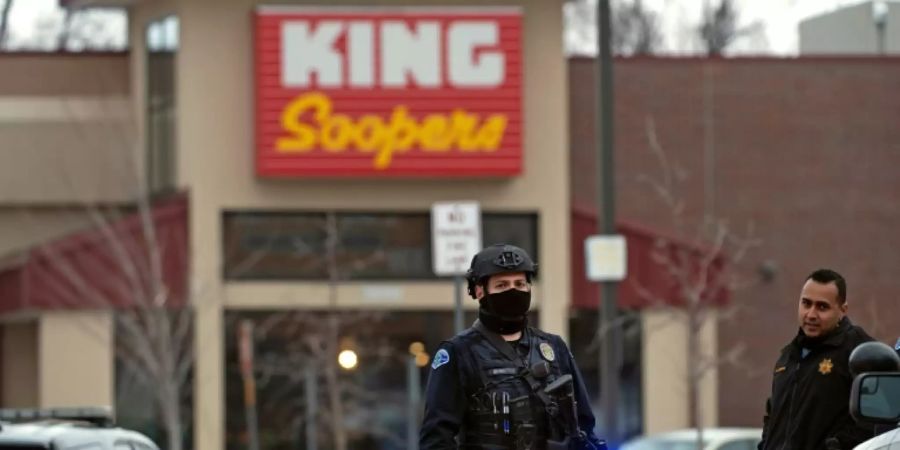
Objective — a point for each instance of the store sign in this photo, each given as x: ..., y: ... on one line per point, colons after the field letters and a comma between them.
x: 388, y: 91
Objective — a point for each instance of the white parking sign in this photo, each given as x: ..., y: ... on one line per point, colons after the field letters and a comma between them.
x: 455, y: 236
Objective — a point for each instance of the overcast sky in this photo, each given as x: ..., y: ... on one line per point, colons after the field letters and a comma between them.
x: 778, y: 20
x: 778, y: 35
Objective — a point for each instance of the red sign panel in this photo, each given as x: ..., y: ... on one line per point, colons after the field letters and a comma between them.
x: 388, y: 91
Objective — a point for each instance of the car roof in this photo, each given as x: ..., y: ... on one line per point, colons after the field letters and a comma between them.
x: 709, y: 434
x: 881, y: 441
x: 65, y: 433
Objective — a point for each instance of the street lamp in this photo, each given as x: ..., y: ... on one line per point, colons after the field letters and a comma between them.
x: 879, y: 17
x: 420, y: 357
x: 348, y: 359
x: 417, y: 359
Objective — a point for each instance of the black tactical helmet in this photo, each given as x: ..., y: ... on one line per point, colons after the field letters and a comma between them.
x: 498, y: 258
x: 873, y: 357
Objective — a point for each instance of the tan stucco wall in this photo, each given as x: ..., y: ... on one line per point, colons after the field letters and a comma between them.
x: 75, y: 358
x: 383, y: 296
x: 23, y: 227
x: 20, y: 366
x: 138, y: 19
x: 665, y: 388
x: 66, y: 129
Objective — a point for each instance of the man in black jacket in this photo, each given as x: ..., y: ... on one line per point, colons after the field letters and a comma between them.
x: 808, y: 408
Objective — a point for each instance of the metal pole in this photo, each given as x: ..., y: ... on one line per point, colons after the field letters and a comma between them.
x: 458, y: 317
x: 609, y: 369
x: 413, y: 386
x: 312, y: 406
x: 246, y: 359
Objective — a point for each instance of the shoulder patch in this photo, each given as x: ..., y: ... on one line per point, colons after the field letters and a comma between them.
x: 440, y: 358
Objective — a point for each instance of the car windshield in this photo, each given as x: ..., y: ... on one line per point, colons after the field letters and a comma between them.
x: 663, y: 444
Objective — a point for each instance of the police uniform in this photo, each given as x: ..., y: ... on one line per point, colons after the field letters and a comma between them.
x: 810, y: 390
x: 487, y: 393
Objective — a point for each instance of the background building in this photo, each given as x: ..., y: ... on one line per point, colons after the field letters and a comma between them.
x: 865, y: 28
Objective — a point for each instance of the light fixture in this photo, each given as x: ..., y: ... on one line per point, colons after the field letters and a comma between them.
x: 348, y: 359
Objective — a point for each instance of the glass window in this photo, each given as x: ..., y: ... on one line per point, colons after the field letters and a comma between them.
x: 743, y: 444
x: 585, y: 348
x: 291, y: 366
x: 516, y: 229
x: 161, y: 47
x: 367, y: 246
x: 274, y: 245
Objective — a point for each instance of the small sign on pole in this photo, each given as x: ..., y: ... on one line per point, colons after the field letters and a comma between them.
x: 606, y: 257
x: 455, y: 236
x: 455, y: 239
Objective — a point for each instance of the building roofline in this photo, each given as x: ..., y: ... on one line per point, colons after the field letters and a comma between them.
x: 804, y: 59
x: 63, y: 53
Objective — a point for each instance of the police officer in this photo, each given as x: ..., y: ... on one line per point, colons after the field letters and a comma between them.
x: 811, y: 380
x: 488, y: 384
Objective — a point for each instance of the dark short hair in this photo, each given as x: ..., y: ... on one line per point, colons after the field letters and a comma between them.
x: 825, y: 276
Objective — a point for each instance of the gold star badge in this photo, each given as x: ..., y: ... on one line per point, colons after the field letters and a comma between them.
x: 825, y: 366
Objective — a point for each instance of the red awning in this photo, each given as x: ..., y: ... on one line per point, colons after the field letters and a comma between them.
x: 118, y: 263
x: 648, y: 282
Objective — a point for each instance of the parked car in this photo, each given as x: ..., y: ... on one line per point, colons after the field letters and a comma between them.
x: 875, y: 398
x: 713, y: 439
x: 875, y: 395
x: 65, y: 429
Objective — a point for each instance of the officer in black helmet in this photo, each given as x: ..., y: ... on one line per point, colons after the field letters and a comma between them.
x: 488, y: 385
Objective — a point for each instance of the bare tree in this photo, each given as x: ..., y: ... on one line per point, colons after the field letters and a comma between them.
x: 720, y: 27
x: 635, y: 28
x: 133, y: 262
x: 703, y: 263
x: 62, y: 37
x: 4, y: 22
x: 129, y: 270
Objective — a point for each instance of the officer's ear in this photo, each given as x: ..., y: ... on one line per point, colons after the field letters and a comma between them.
x: 479, y: 291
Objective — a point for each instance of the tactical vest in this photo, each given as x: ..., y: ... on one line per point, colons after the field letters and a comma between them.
x: 506, y: 410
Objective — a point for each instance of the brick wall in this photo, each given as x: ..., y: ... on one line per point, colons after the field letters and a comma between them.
x: 806, y: 151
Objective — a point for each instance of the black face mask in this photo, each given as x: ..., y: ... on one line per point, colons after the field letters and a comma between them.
x: 505, y: 312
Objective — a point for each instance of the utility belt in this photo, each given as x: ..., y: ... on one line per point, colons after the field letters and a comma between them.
x: 507, y: 422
